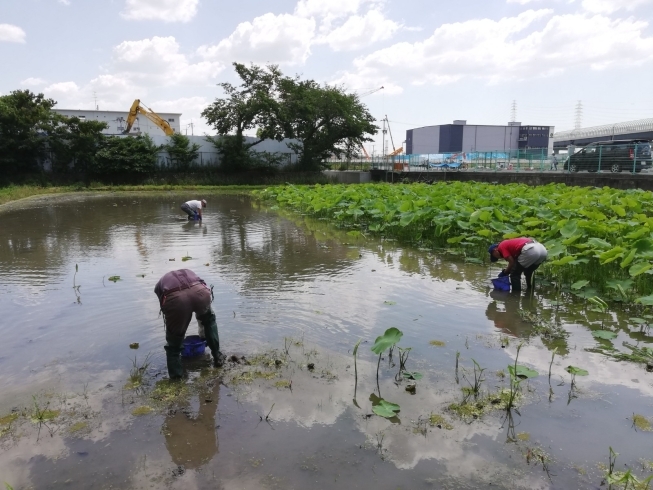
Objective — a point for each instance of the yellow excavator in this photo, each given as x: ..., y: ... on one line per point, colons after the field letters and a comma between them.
x: 138, y: 108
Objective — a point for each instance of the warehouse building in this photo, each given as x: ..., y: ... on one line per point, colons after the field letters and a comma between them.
x: 117, y: 121
x: 463, y: 137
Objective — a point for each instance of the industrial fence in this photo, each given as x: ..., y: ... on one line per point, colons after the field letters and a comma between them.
x: 610, y: 157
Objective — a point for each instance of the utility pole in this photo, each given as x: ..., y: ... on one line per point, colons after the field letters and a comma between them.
x: 384, y: 132
x: 95, y: 100
x: 513, y: 111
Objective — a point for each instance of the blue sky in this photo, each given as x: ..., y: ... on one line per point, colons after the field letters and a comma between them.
x: 437, y: 60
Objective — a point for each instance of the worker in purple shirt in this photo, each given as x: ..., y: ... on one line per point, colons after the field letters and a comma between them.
x: 182, y: 293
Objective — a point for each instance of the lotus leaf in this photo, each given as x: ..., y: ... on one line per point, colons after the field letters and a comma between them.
x: 576, y: 371
x: 639, y: 268
x: 387, y: 340
x: 522, y: 372
x: 385, y: 409
x: 604, y: 334
x: 580, y: 284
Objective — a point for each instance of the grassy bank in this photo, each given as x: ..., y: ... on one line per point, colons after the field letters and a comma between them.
x: 14, y: 193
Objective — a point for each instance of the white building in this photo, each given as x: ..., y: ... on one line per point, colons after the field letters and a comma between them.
x: 117, y: 121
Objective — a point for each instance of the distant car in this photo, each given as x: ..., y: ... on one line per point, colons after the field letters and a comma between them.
x: 615, y: 156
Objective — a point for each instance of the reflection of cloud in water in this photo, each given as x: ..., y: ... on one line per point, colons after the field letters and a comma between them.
x: 317, y: 399
x: 80, y: 392
x: 602, y: 371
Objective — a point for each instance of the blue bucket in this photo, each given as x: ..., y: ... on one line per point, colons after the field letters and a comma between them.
x: 194, y: 346
x: 501, y: 283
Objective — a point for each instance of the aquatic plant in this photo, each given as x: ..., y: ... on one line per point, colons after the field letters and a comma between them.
x: 575, y: 371
x: 138, y: 370
x: 478, y: 379
x: 385, y: 408
x: 518, y: 373
x: 356, y: 367
x: 596, y: 235
x: 114, y: 278
x: 384, y: 342
x: 624, y: 478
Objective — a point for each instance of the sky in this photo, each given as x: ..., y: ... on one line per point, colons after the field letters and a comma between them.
x: 437, y: 61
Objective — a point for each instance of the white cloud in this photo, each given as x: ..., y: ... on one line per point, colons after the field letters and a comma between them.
x: 331, y: 8
x: 11, y: 33
x: 361, y: 31
x: 191, y: 109
x: 61, y: 89
x: 158, y: 60
x: 610, y: 6
x: 522, y: 2
x: 165, y: 10
x: 33, y: 82
x: 65, y: 2
x: 503, y: 50
x: 283, y: 39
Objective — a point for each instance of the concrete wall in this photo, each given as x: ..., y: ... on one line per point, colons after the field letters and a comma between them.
x: 582, y: 179
x: 117, y: 119
x: 426, y: 140
x: 348, y: 176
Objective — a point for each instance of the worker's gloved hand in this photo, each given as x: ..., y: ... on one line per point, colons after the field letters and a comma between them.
x: 503, y: 273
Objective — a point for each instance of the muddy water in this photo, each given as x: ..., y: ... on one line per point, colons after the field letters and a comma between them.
x: 295, y: 285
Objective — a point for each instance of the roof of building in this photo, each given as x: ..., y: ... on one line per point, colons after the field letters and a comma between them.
x: 605, y: 130
x: 57, y: 109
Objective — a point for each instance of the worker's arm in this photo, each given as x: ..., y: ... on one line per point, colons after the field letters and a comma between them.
x: 511, y: 265
x: 199, y: 212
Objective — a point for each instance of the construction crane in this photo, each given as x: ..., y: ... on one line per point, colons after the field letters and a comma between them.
x: 395, y: 151
x: 370, y: 92
x: 138, y: 108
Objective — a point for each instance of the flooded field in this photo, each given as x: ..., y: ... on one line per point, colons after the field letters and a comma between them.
x: 81, y: 409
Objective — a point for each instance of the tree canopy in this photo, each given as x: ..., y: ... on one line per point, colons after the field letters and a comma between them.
x: 323, y: 120
x: 26, y: 119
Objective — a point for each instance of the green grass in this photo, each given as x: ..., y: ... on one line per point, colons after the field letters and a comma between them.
x: 14, y: 193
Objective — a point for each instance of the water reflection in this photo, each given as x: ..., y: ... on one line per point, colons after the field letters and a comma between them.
x: 191, y: 438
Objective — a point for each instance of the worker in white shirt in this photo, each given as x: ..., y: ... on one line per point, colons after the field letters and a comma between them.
x: 194, y: 209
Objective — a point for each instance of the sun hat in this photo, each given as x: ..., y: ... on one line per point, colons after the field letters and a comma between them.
x: 204, y: 202
x: 491, y: 249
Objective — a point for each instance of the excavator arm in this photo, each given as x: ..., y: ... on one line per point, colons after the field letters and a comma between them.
x: 137, y: 108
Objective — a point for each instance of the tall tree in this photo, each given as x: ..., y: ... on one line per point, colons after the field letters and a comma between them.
x: 26, y: 120
x: 248, y: 106
x: 324, y: 119
x: 74, y: 144
x: 181, y: 151
x: 125, y: 157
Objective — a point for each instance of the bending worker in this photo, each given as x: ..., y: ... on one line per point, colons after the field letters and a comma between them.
x: 523, y: 255
x: 182, y: 293
x: 194, y: 208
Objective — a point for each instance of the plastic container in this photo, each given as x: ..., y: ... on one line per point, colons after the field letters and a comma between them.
x: 501, y: 283
x: 194, y: 346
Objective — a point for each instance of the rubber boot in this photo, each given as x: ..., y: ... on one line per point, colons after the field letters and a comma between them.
x: 173, y: 358
x: 529, y: 279
x: 211, y: 334
x: 515, y: 281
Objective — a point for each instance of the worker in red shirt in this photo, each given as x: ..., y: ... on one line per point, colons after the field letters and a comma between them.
x: 523, y: 255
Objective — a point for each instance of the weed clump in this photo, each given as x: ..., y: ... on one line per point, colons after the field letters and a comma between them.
x: 641, y: 422
x: 143, y: 410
